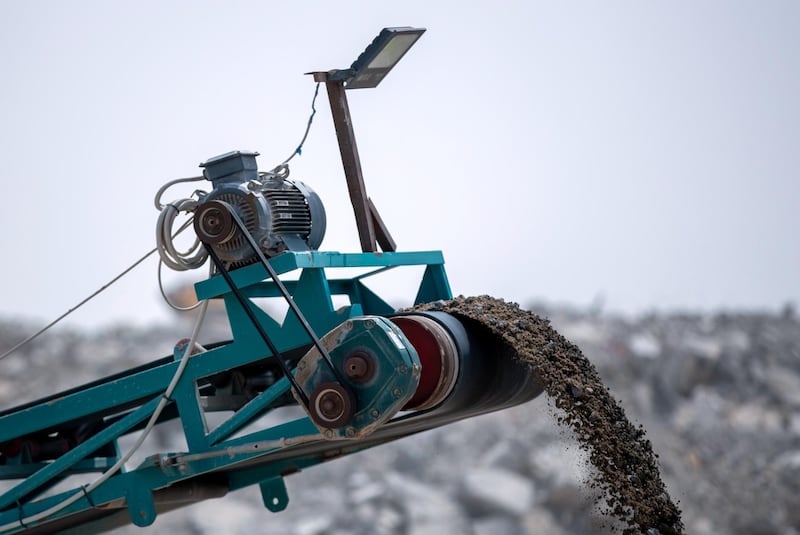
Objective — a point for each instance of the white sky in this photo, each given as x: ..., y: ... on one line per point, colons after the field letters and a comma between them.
x: 642, y: 152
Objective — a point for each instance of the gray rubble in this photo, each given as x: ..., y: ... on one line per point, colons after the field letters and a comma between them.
x: 718, y: 394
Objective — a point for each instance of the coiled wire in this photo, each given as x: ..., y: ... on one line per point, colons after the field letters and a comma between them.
x: 179, y: 260
x: 196, y: 255
x: 192, y: 258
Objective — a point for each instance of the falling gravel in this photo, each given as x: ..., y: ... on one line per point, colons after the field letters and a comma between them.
x: 627, y: 473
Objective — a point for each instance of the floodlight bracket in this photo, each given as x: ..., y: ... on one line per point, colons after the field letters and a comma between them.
x: 341, y: 75
x: 367, y: 70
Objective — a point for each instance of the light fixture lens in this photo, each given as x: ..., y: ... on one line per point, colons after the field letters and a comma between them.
x: 393, y: 51
x: 381, y: 56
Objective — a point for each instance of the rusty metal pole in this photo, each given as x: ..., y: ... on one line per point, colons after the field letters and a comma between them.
x: 371, y: 228
x: 350, y: 160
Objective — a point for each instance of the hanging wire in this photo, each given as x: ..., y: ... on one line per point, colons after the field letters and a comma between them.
x: 167, y: 299
x: 171, y: 183
x: 88, y: 298
x: 283, y: 167
x: 192, y: 258
x: 76, y: 307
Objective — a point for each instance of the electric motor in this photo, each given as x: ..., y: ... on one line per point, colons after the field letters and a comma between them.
x: 280, y: 214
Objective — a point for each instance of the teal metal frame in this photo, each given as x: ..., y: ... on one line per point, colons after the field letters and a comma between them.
x: 120, y: 404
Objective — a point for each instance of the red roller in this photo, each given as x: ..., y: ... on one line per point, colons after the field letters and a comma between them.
x: 438, y: 357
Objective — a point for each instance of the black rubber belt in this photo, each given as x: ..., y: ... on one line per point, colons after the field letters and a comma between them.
x: 286, y: 295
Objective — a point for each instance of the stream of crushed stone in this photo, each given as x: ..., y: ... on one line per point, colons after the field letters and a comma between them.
x: 626, y: 468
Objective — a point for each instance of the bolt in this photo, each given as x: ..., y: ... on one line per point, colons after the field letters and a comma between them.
x: 374, y: 413
x: 350, y: 432
x: 397, y: 392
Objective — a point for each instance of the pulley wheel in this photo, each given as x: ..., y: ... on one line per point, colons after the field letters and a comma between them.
x: 213, y: 223
x: 438, y: 358
x: 331, y: 405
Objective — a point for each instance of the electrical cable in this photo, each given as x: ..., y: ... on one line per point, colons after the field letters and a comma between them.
x: 89, y: 297
x: 195, y: 256
x: 167, y: 299
x: 171, y: 183
x: 165, y: 398
x: 76, y: 307
x: 282, y: 170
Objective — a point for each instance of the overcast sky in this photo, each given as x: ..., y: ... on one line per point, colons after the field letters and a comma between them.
x: 640, y: 153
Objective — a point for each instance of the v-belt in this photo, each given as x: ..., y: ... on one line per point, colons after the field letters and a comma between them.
x: 226, y: 210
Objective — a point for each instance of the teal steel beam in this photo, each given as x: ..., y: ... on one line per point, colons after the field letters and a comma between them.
x: 246, y: 414
x: 55, y: 468
x: 121, y: 392
x: 290, y: 261
x: 86, y: 466
x: 43, y: 416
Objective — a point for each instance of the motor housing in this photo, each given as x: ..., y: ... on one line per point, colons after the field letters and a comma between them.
x: 280, y: 214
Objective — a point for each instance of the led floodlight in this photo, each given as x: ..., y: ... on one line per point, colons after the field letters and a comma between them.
x: 379, y: 57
